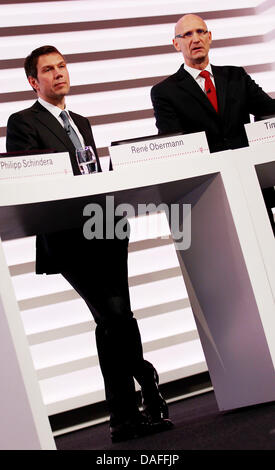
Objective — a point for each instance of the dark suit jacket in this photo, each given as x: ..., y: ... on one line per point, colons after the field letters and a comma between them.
x: 36, y: 128
x: 181, y: 106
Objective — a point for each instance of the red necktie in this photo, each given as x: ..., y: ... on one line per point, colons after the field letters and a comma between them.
x: 210, y: 89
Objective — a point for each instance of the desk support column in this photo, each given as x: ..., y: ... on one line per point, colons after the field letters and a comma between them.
x: 24, y: 424
x: 222, y: 297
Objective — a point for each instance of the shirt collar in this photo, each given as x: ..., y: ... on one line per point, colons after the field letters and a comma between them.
x: 195, y: 72
x: 54, y: 110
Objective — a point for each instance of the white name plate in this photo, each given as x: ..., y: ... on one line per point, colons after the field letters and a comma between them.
x: 261, y: 132
x: 179, y: 146
x: 32, y: 166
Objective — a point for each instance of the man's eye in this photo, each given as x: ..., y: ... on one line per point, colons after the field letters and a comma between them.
x: 188, y: 34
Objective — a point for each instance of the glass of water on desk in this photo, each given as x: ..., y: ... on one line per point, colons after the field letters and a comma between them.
x: 86, y: 160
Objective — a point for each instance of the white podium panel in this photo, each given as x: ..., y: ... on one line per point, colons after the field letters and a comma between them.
x: 24, y: 423
x: 257, y: 171
x: 228, y: 319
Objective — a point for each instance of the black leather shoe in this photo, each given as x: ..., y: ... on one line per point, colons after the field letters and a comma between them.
x: 154, y: 405
x: 130, y: 429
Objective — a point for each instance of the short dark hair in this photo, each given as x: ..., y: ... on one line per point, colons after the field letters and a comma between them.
x: 30, y: 64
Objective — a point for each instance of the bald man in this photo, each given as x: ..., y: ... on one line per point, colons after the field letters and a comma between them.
x: 204, y: 97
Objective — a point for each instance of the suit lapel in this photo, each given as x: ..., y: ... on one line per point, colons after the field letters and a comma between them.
x: 221, y: 81
x: 187, y: 82
x: 48, y: 120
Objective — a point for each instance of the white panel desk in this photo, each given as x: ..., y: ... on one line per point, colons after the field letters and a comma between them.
x: 227, y: 271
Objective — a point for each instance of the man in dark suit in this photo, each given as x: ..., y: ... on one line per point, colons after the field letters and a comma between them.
x: 203, y: 97
x: 97, y: 268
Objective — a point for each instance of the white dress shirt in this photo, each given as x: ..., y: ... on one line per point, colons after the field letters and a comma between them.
x: 196, y: 75
x: 55, y: 111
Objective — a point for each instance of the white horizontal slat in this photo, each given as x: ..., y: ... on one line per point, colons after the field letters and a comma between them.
x: 109, y: 102
x: 21, y: 250
x: 159, y: 65
x: 85, y: 386
x: 64, y: 331
x: 2, y: 144
x: 166, y: 325
x: 94, y: 104
x: 186, y: 353
x: 83, y: 346
x: 120, y: 101
x: 30, y: 285
x: 51, y: 317
x: 266, y: 80
x: 104, y: 134
x: 245, y: 55
x: 134, y: 99
x: 178, y: 361
x: 77, y: 42
x: 117, y: 101
x: 41, y: 329
x: 153, y: 225
x: 71, y: 348
x: 153, y: 259
x: 72, y: 390
x: 157, y: 292
x: 75, y: 312
x: 132, y: 68
x: 17, y: 78
x: 94, y: 10
x: 101, y: 71
x: 11, y: 107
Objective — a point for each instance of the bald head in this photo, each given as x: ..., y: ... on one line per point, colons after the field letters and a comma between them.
x: 193, y: 39
x: 185, y: 20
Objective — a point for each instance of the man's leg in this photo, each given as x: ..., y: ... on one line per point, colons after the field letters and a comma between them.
x: 97, y: 269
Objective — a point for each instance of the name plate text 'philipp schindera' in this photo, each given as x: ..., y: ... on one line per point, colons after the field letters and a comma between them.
x: 33, y: 166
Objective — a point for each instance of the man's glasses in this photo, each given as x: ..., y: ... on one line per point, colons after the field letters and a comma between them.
x: 190, y: 34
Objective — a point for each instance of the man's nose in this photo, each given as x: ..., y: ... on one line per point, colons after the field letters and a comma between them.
x: 57, y: 73
x: 195, y: 37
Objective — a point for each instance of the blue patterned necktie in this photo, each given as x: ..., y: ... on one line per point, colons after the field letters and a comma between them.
x: 70, y: 130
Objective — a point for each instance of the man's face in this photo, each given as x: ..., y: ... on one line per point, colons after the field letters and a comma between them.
x: 196, y: 42
x: 52, y: 82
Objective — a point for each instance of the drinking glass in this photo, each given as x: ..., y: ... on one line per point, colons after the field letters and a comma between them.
x: 86, y: 160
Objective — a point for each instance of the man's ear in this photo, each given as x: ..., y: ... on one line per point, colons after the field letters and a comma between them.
x: 33, y: 83
x: 176, y: 45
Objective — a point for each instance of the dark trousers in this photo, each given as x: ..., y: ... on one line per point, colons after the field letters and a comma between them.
x: 97, y: 270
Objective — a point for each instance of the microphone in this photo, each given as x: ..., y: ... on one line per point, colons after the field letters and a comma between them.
x: 208, y: 91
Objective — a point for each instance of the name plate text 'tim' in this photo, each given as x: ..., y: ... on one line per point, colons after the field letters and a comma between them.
x: 261, y: 132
